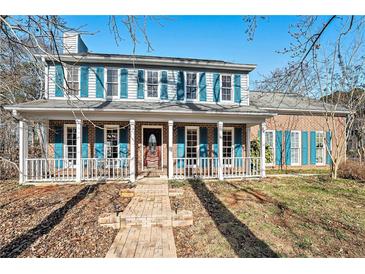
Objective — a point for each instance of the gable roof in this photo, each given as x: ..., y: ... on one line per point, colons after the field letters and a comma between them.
x: 292, y: 103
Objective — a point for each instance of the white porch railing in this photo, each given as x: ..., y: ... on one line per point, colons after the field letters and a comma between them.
x: 104, y: 168
x: 238, y: 167
x: 47, y: 170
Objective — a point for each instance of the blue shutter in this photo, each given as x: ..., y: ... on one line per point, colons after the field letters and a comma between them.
x: 84, y: 81
x: 328, y: 147
x: 304, y: 148
x: 140, y: 84
x: 216, y: 87
x: 203, y: 147
x: 287, y: 148
x: 202, y: 87
x: 59, y: 81
x: 180, y: 146
x: 58, y: 145
x: 238, y: 142
x: 313, y: 147
x: 237, y: 88
x: 99, y: 82
x: 123, y: 83
x: 123, y: 145
x: 85, y: 142
x: 279, y: 147
x: 99, y: 143
x: 163, y: 91
x: 180, y: 86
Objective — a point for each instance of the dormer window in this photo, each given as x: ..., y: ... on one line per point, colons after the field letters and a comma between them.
x: 72, y: 77
x: 191, y: 86
x: 226, y: 88
x: 112, y: 82
x: 152, y: 84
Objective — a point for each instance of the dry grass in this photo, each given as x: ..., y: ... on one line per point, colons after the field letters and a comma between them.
x: 56, y: 221
x: 286, y: 217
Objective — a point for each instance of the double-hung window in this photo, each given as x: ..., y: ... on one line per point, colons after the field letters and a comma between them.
x: 152, y: 84
x: 72, y: 77
x: 191, y: 86
x: 295, y: 147
x: 270, y: 143
x: 111, y: 141
x: 226, y: 88
x: 70, y: 144
x: 320, y: 147
x: 112, y: 82
x: 192, y: 145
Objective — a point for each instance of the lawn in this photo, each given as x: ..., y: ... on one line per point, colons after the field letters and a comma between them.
x: 274, y: 217
x: 58, y: 220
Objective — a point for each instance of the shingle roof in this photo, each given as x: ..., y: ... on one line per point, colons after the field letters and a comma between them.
x: 140, y: 106
x: 290, y: 102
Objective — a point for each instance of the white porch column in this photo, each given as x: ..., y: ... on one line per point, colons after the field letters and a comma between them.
x: 78, y: 149
x: 170, y: 154
x: 132, y: 165
x: 23, y: 151
x: 220, y: 150
x: 248, y: 141
x: 263, y: 144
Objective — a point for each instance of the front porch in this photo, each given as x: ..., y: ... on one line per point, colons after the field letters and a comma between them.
x: 79, y: 151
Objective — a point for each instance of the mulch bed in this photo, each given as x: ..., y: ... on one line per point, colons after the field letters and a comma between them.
x: 58, y: 220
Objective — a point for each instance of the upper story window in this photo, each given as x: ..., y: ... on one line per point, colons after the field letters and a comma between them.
x: 226, y: 88
x: 72, y: 77
x: 152, y: 84
x: 191, y: 86
x: 112, y: 82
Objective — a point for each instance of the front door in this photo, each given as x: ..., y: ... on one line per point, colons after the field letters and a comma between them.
x: 152, y: 152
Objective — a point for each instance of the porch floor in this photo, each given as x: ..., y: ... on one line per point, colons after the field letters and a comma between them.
x: 147, y: 232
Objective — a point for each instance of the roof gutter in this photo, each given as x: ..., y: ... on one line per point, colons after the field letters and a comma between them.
x: 289, y: 110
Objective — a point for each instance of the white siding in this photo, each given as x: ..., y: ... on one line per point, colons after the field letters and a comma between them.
x: 52, y: 81
x: 209, y: 80
x: 70, y: 42
x: 132, y: 83
x: 244, y: 90
x: 92, y: 82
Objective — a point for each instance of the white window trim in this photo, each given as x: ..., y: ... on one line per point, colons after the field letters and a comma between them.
x: 324, y: 149
x: 158, y: 85
x: 232, y: 146
x: 65, y: 154
x: 300, y: 148
x: 273, y: 148
x: 221, y: 89
x: 197, y: 144
x: 106, y: 83
x: 65, y: 80
x: 197, y: 99
x: 106, y: 127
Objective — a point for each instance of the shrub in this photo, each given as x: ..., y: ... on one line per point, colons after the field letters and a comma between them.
x: 255, y: 150
x: 352, y: 170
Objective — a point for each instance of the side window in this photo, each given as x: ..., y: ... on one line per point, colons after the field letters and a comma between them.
x: 191, y: 86
x: 226, y: 88
x: 320, y: 147
x: 295, y: 147
x: 112, y: 82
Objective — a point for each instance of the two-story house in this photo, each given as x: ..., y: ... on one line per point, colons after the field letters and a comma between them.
x: 122, y: 117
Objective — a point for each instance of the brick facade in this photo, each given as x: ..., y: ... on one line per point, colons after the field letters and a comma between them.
x: 308, y: 123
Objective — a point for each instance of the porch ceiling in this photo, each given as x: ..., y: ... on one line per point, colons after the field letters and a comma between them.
x: 140, y: 110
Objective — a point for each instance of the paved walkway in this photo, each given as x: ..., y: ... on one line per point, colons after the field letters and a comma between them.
x: 147, y: 229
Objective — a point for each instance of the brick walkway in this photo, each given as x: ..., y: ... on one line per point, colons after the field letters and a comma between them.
x: 146, y: 224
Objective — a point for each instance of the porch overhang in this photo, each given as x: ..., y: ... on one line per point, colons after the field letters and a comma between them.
x: 139, y: 111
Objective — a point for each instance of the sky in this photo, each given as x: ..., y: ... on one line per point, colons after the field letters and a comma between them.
x: 207, y: 37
